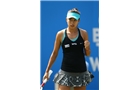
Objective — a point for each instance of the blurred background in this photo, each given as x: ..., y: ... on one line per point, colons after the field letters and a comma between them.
x: 53, y: 19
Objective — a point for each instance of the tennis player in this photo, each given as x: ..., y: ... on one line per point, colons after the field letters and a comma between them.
x: 75, y: 46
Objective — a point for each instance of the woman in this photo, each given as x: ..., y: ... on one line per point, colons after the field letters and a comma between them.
x: 75, y: 46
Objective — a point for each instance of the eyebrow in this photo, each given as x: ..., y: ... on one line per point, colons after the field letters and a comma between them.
x: 72, y: 18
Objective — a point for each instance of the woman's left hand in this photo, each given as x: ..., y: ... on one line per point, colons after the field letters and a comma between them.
x: 86, y: 44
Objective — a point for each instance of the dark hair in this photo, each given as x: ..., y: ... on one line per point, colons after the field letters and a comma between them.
x: 74, y: 10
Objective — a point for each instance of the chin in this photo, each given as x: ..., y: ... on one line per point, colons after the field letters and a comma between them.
x: 72, y: 27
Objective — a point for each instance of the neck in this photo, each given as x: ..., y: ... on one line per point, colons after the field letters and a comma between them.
x: 72, y: 30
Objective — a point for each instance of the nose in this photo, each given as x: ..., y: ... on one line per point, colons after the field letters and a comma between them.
x: 72, y: 22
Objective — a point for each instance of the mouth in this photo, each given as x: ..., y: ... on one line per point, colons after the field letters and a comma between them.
x: 71, y: 25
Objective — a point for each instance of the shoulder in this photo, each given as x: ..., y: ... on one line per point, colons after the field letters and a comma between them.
x: 83, y: 32
x: 60, y: 33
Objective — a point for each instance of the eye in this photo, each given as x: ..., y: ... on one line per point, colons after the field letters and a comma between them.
x: 72, y: 19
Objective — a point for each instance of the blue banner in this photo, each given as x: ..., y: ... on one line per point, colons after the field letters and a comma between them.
x: 53, y: 19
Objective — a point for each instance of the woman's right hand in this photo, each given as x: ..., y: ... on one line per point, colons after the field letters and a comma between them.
x: 46, y: 76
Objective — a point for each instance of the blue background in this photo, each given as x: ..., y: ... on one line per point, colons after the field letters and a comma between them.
x: 53, y: 19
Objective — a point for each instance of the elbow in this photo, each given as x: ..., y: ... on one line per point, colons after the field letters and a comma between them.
x: 87, y: 53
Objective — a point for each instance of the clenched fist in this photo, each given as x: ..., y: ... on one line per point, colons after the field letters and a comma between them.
x: 46, y: 76
x: 86, y: 44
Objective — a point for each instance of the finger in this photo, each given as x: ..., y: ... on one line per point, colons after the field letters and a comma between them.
x: 85, y: 45
x: 44, y: 78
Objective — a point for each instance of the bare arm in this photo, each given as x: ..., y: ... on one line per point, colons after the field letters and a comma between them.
x: 86, y: 43
x: 55, y: 51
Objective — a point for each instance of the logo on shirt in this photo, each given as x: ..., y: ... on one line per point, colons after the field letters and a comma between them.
x: 81, y: 43
x: 67, y: 45
x: 73, y: 43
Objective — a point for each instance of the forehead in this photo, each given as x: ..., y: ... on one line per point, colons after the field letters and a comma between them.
x: 72, y: 18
